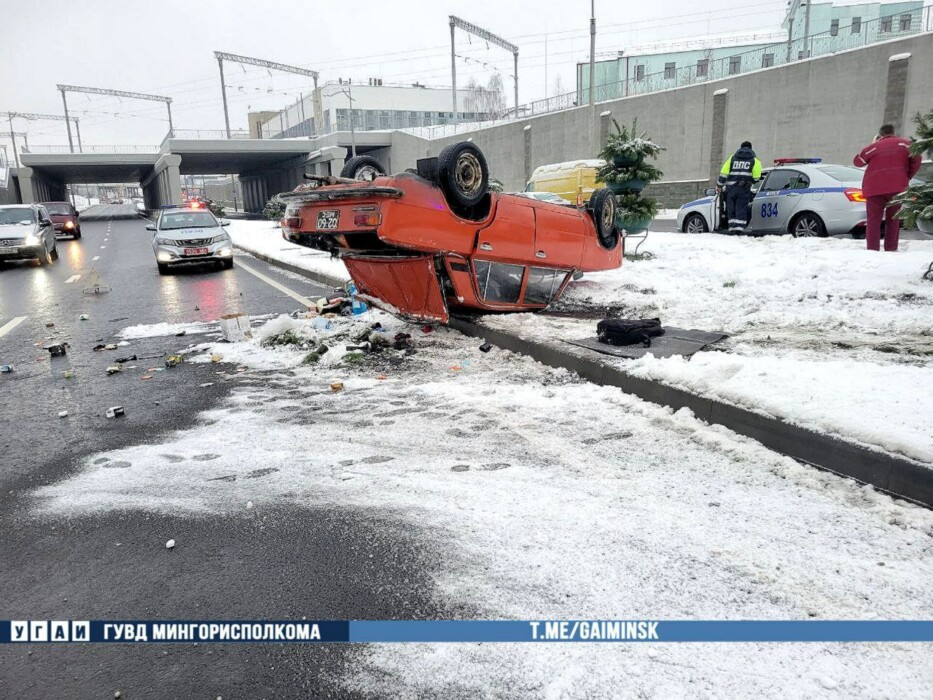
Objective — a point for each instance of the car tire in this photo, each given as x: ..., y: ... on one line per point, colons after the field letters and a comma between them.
x: 807, y: 225
x: 77, y: 234
x: 163, y: 269
x: 695, y: 223
x: 463, y: 174
x: 44, y: 258
x: 602, y: 208
x: 53, y: 255
x: 227, y: 264
x: 365, y: 168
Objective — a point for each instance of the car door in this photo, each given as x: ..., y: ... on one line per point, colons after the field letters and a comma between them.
x: 776, y: 201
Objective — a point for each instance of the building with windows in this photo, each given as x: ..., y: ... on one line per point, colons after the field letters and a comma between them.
x: 375, y: 106
x: 831, y: 27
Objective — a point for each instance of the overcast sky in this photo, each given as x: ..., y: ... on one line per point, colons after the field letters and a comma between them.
x: 166, y: 47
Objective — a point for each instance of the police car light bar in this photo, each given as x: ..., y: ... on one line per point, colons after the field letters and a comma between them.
x: 785, y: 161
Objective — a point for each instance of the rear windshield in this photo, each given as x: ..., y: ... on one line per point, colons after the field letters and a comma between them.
x: 842, y: 173
x: 187, y: 219
x: 22, y: 215
x: 60, y: 208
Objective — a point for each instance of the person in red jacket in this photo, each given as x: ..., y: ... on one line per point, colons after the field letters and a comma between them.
x: 889, y: 169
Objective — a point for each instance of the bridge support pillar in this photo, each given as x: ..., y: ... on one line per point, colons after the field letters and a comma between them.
x: 163, y: 186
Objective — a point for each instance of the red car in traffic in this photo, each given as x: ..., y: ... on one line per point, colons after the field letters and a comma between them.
x: 65, y: 218
x: 430, y: 241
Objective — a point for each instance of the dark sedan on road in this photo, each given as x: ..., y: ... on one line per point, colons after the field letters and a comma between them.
x: 65, y: 218
x: 185, y: 235
x: 27, y: 232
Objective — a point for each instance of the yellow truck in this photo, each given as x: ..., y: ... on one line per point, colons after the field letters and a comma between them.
x: 574, y: 180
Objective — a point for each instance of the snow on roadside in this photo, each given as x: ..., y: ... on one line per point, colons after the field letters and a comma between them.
x: 548, y: 497
x: 265, y: 238
x: 740, y: 284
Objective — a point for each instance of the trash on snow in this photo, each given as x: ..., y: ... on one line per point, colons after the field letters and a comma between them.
x: 235, y: 327
x: 115, y: 411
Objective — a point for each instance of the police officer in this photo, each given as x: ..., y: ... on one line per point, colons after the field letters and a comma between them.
x: 740, y: 170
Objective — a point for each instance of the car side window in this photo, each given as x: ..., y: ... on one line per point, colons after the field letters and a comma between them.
x: 43, y: 213
x: 499, y: 282
x: 780, y: 180
x: 543, y: 284
x: 802, y: 182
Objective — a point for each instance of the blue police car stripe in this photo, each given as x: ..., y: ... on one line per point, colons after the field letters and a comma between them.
x: 705, y: 200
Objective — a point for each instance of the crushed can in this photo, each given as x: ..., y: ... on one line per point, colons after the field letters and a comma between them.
x: 113, y: 369
x: 174, y: 360
x: 115, y: 411
x: 6, y: 369
x: 57, y: 349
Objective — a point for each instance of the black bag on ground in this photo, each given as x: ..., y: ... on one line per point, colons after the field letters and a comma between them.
x: 628, y: 331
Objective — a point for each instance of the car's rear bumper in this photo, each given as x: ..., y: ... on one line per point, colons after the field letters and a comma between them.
x: 842, y: 221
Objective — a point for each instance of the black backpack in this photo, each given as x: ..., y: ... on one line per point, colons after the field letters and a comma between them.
x: 627, y: 331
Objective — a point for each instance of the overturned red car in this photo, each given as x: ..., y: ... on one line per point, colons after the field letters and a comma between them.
x: 433, y: 241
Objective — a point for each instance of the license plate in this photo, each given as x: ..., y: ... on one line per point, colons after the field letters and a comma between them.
x: 328, y: 219
x: 6, y: 249
x: 195, y: 251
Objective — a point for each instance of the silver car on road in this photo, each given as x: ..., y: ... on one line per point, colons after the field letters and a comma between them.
x: 26, y: 231
x: 190, y: 234
x: 800, y: 196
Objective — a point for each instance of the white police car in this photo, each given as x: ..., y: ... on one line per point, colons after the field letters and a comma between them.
x: 190, y: 234
x: 800, y: 196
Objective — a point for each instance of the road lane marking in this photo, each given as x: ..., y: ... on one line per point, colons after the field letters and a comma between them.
x: 103, y: 246
x: 10, y: 325
x: 272, y: 283
x: 96, y: 257
x: 73, y: 278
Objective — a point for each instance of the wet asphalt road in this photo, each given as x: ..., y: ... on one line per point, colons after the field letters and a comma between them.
x: 288, y: 564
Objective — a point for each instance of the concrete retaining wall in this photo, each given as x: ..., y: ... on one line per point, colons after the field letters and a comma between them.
x: 828, y: 107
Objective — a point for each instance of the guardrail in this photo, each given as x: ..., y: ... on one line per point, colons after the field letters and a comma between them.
x: 91, y: 149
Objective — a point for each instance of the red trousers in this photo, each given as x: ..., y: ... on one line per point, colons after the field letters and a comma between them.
x: 877, y: 209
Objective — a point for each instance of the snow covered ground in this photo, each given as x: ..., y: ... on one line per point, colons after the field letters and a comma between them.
x: 265, y: 238
x: 823, y: 333
x: 543, y: 496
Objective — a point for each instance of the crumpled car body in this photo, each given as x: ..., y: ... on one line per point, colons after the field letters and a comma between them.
x: 413, y: 255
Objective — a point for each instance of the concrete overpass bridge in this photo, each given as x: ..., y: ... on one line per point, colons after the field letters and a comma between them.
x: 265, y: 167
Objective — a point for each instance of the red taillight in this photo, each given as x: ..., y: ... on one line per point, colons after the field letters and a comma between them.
x: 854, y: 194
x: 195, y: 205
x: 293, y: 222
x: 367, y: 219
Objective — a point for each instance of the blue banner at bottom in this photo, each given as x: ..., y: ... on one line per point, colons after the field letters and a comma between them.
x: 401, y: 631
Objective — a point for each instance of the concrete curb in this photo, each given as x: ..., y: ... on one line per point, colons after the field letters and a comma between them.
x: 894, y: 475
x: 318, y: 277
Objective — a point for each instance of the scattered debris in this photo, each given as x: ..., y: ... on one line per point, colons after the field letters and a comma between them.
x: 113, y: 369
x: 336, y: 386
x: 68, y: 374
x: 174, y: 360
x: 84, y: 317
x: 116, y: 694
x: 180, y: 333
x: 206, y: 384
x: 170, y: 544
x: 6, y: 369
x: 115, y: 411
x: 98, y: 347
x: 62, y: 414
x: 50, y: 325
x: 121, y: 360
x: 146, y: 377
x: 402, y: 341
x: 456, y: 368
x: 57, y: 349
x: 110, y: 346
x: 235, y: 327
x: 249, y: 505
x: 426, y: 329
x: 216, y: 358
x: 381, y: 377
x: 485, y: 347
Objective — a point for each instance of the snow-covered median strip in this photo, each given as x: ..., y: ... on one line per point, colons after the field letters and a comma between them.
x: 264, y: 238
x: 542, y: 496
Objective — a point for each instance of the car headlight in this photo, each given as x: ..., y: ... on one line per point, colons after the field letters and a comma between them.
x: 164, y: 241
x: 69, y: 224
x: 221, y: 238
x: 32, y: 239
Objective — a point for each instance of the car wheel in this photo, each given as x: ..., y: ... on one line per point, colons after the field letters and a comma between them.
x: 44, y: 258
x: 77, y: 234
x: 463, y: 174
x: 695, y: 223
x: 808, y: 226
x: 603, y: 209
x: 163, y: 269
x: 364, y: 168
x: 227, y: 264
x: 54, y: 254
